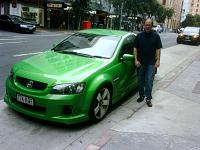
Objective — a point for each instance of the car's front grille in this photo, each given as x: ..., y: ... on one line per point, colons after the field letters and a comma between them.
x: 30, y: 26
x: 187, y: 37
x: 31, y: 84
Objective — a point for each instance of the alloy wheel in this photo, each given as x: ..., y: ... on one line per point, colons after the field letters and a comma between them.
x: 102, y: 102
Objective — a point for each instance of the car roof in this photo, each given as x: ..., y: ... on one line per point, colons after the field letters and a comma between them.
x: 104, y: 32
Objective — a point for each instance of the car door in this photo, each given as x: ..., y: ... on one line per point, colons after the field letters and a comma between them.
x: 127, y: 77
x: 2, y: 22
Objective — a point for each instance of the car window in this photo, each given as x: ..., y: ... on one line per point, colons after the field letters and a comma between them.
x: 127, y: 46
x: 16, y: 18
x: 90, y: 44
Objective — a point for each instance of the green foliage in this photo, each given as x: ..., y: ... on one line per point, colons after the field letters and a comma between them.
x: 81, y: 5
x: 144, y: 8
x: 169, y: 12
x: 191, y: 21
x: 80, y: 10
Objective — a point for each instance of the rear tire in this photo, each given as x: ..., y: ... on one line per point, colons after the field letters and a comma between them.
x: 100, y: 104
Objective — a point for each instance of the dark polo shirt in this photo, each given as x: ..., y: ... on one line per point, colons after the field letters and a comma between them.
x: 146, y: 44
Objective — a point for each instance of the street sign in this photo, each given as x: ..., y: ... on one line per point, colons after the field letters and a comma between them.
x: 54, y: 5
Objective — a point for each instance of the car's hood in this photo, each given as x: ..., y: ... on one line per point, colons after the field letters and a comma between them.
x: 58, y: 67
x: 190, y: 33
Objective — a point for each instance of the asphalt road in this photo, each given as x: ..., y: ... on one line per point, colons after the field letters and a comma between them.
x: 15, y: 47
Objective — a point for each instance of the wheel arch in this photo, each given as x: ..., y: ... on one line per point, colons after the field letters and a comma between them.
x: 95, y: 85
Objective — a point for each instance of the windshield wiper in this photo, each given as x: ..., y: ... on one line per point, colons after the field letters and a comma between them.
x: 100, y: 57
x: 75, y: 53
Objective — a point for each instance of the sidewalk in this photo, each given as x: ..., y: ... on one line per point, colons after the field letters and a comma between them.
x: 39, y: 29
x: 173, y: 123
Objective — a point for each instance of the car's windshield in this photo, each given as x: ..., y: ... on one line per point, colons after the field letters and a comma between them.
x: 16, y: 18
x: 89, y: 44
x: 191, y: 30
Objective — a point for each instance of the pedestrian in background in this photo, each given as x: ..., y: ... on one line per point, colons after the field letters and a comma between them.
x: 146, y: 50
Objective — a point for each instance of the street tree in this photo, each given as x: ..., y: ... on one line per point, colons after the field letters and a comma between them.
x: 169, y: 12
x: 160, y: 14
x: 191, y: 21
x: 80, y: 10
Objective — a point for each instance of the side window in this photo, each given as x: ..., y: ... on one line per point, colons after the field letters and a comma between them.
x: 127, y: 46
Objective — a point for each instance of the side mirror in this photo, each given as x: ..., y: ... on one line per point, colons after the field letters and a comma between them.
x: 127, y: 57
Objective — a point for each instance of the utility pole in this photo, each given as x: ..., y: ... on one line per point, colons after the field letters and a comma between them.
x: 121, y: 11
x: 45, y: 13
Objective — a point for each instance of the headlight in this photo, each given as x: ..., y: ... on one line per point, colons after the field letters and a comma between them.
x: 181, y: 34
x: 68, y: 88
x: 23, y: 26
x: 195, y: 36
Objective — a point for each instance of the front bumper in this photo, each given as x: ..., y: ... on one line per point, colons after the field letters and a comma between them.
x: 58, y: 108
x: 28, y: 29
x: 190, y: 40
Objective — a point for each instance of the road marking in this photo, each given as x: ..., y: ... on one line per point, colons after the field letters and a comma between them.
x: 18, y: 55
x: 12, y: 39
x: 12, y: 42
x: 39, y: 35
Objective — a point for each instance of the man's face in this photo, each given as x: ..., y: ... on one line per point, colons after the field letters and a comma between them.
x: 148, y: 25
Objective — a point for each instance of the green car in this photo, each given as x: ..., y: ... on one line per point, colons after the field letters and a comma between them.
x: 77, y: 80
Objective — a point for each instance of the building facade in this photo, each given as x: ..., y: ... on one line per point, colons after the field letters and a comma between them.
x: 173, y: 23
x: 30, y: 10
x: 57, y: 14
x: 194, y: 7
x: 185, y: 9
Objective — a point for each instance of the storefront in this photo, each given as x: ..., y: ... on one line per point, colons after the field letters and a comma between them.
x: 29, y: 10
x: 55, y: 14
x: 33, y: 14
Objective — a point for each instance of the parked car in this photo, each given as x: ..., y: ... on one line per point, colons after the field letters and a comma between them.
x: 189, y: 35
x: 77, y: 80
x: 16, y: 23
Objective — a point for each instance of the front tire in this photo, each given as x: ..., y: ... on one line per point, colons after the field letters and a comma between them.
x: 178, y: 42
x: 100, y: 104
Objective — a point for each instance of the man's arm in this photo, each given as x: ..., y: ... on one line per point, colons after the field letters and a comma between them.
x: 137, y: 63
x: 157, y: 64
x: 158, y: 51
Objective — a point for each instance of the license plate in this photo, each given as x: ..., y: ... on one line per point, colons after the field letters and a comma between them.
x: 25, y: 99
x: 187, y: 37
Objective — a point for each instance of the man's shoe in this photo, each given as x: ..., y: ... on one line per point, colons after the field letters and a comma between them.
x: 149, y: 104
x: 140, y: 99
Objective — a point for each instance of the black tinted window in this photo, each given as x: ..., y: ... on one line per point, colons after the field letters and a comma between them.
x: 127, y: 47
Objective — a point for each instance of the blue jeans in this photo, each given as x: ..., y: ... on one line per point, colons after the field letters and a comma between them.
x: 145, y: 77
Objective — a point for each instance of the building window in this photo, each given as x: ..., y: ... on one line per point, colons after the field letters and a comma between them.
x: 164, y: 2
x: 197, y: 5
x: 196, y: 10
x: 192, y: 5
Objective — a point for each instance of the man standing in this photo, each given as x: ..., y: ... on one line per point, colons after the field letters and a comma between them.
x: 147, y: 47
